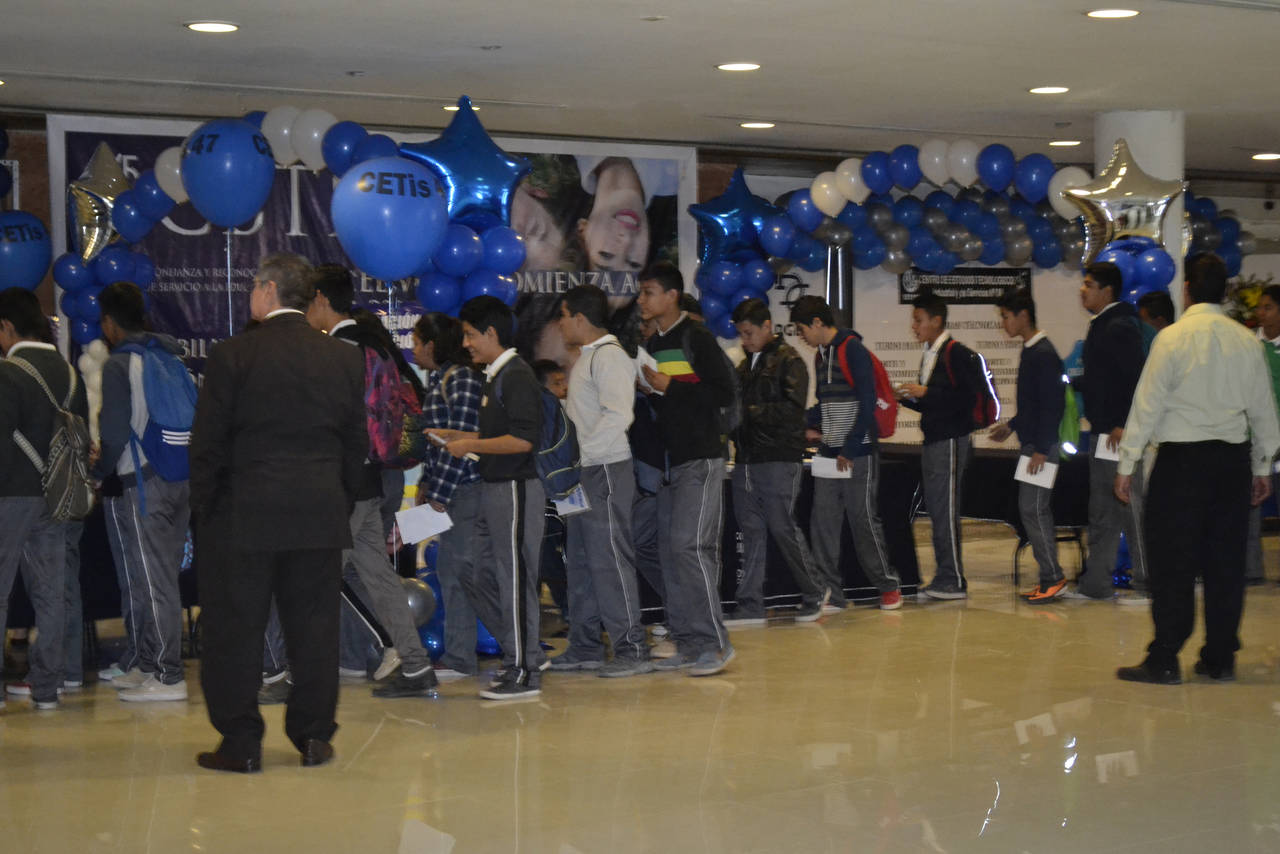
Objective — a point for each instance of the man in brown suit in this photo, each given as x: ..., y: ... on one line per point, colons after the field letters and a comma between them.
x: 277, y: 449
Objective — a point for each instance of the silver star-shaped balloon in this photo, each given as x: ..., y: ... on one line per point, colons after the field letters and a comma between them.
x: 90, y: 200
x: 1123, y: 201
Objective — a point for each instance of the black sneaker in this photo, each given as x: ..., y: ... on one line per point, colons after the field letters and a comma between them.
x: 1217, y: 674
x: 570, y: 661
x: 512, y: 688
x: 274, y: 693
x: 402, y: 685
x: 939, y: 591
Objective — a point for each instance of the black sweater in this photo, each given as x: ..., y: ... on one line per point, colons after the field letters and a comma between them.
x: 1040, y: 397
x: 1113, y: 357
x: 946, y: 410
x: 689, y: 410
x: 25, y: 407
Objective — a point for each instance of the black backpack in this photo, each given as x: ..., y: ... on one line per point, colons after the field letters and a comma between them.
x: 731, y: 415
x: 64, y: 472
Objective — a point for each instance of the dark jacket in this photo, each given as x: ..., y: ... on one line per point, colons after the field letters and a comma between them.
x: 689, y: 411
x: 115, y: 418
x: 279, y: 440
x: 1113, y: 356
x: 774, y: 391
x: 25, y: 407
x: 845, y: 412
x: 365, y: 337
x: 512, y: 405
x: 1040, y: 397
x: 946, y: 410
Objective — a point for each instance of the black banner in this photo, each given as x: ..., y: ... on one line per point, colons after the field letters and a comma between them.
x: 963, y: 285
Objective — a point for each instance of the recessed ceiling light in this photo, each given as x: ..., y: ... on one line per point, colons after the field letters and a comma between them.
x: 1, y: 82
x: 756, y: 125
x: 1113, y: 13
x: 1065, y: 143
x: 738, y: 66
x: 1049, y: 90
x: 1267, y: 155
x: 653, y: 19
x: 453, y: 108
x: 212, y: 26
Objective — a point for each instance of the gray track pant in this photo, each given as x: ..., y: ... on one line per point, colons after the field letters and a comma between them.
x: 1107, y: 518
x: 764, y: 505
x: 28, y: 537
x: 857, y: 498
x: 690, y: 524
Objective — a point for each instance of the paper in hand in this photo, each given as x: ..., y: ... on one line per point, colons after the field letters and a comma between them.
x: 644, y: 359
x: 1045, y: 477
x: 422, y: 523
x: 826, y: 468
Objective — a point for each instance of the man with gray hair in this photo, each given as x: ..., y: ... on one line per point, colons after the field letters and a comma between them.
x: 277, y: 452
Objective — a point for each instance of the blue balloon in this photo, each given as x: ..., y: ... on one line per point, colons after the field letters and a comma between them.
x: 154, y: 202
x: 947, y: 262
x: 804, y: 213
x: 461, y: 252
x: 504, y: 249
x: 128, y: 220
x: 25, y: 250
x: 228, y: 171
x: 928, y: 259
x: 864, y: 237
x: 1132, y: 245
x: 1230, y: 256
x: 87, y: 305
x: 920, y: 241
x: 373, y: 147
x: 1228, y: 227
x: 510, y: 291
x: 987, y: 227
x: 6, y: 181
x: 992, y: 251
x: 723, y: 326
x: 144, y: 271
x: 815, y: 260
x: 255, y: 118
x: 870, y: 257
x: 1032, y: 176
x: 885, y: 199
x: 724, y: 278
x: 1046, y: 253
x: 852, y: 215
x: 1020, y: 209
x: 390, y: 216
x: 1153, y: 269
x: 803, y: 247
x: 738, y: 298
x: 1207, y: 208
x: 995, y: 166
x: 1040, y: 229
x: 1123, y: 260
x: 757, y: 276
x: 875, y: 172
x: 84, y: 332
x: 904, y: 166
x: 70, y: 305
x: 908, y: 211
x: 71, y: 274
x: 941, y: 200
x: 484, y: 282
x: 966, y: 213
x: 480, y: 178
x: 712, y: 305
x: 437, y: 292
x: 340, y: 144
x: 777, y: 234
x: 114, y: 264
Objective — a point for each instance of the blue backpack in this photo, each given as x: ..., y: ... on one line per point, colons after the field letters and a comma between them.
x: 170, y: 394
x: 556, y: 456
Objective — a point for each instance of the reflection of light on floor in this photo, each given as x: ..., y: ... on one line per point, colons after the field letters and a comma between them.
x: 990, y: 812
x: 1070, y: 763
x: 418, y: 837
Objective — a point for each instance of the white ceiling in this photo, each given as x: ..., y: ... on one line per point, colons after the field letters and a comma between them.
x: 837, y: 77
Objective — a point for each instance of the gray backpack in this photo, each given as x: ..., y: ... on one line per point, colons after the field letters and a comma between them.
x: 64, y: 473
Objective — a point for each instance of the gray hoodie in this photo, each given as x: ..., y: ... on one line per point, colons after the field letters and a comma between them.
x: 124, y: 406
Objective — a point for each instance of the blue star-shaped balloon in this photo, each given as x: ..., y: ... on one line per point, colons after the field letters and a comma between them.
x: 730, y: 223
x: 479, y: 178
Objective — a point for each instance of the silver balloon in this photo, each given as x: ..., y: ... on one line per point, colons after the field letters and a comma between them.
x: 1044, y: 209
x: 879, y: 217
x: 1229, y: 213
x: 935, y: 220
x: 421, y: 601
x: 1017, y: 251
x: 1066, y: 229
x: 954, y: 238
x: 833, y: 232
x: 1247, y: 243
x: 997, y: 205
x: 1011, y: 227
x: 972, y: 249
x: 896, y: 261
x: 1211, y: 239
x: 90, y: 200
x: 896, y: 236
x: 972, y: 194
x: 1073, y: 253
x: 781, y: 265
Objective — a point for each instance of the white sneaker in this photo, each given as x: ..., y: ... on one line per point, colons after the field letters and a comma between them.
x: 132, y: 679
x: 73, y: 684
x: 448, y: 674
x: 153, y: 690
x: 352, y: 673
x: 1134, y: 598
x: 107, y: 674
x: 390, y: 661
x: 659, y: 630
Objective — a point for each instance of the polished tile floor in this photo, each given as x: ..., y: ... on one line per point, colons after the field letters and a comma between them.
x: 987, y: 725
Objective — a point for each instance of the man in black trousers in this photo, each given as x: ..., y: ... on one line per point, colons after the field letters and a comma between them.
x: 277, y: 452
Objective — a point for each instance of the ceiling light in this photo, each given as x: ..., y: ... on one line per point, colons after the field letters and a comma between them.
x: 453, y: 108
x: 1, y: 82
x: 653, y: 19
x: 738, y: 66
x: 1049, y: 90
x: 756, y: 125
x: 212, y: 26
x: 1267, y: 155
x: 1065, y: 143
x: 1113, y: 13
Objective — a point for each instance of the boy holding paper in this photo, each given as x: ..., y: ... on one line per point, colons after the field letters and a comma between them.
x: 1040, y: 407
x: 843, y: 422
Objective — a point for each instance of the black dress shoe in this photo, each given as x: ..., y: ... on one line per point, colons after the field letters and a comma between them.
x: 1218, y: 674
x: 316, y: 752
x: 216, y: 761
x: 1145, y: 672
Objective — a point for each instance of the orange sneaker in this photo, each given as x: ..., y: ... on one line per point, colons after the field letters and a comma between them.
x: 1047, y: 594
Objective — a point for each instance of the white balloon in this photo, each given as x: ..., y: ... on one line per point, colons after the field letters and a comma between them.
x: 98, y: 350
x: 87, y: 363
x: 1062, y: 180
x: 962, y: 162
x: 826, y: 194
x: 933, y: 162
x: 168, y: 171
x: 277, y: 127
x: 92, y: 382
x: 849, y: 180
x: 307, y: 134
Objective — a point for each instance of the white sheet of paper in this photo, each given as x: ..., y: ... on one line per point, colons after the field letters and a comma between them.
x: 645, y: 359
x: 422, y: 523
x: 825, y: 467
x: 573, y: 503
x: 1045, y: 478
x: 1102, y: 452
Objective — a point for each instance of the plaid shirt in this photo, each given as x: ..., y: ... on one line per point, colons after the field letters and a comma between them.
x: 454, y: 408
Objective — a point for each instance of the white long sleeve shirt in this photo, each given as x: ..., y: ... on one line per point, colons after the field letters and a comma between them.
x: 601, y: 401
x: 1206, y: 379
